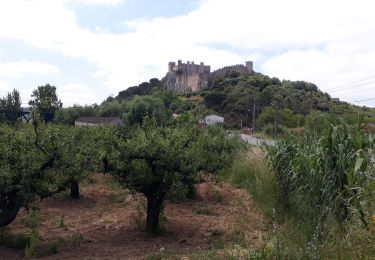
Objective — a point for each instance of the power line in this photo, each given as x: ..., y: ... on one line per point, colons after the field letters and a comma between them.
x: 351, y: 83
x: 364, y: 100
x: 352, y: 92
x: 358, y: 85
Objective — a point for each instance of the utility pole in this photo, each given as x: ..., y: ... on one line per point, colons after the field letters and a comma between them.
x: 253, y: 115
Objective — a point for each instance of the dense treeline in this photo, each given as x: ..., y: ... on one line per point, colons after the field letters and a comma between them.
x: 236, y: 97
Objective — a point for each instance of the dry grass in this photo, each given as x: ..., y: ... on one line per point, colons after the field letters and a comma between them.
x: 103, y: 224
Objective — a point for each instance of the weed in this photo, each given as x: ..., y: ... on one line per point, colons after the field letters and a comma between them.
x: 117, y: 197
x: 53, y: 247
x: 32, y: 219
x: 31, y: 248
x: 62, y: 222
x: 219, y: 198
x: 204, y: 210
x: 17, y: 241
x: 77, y: 238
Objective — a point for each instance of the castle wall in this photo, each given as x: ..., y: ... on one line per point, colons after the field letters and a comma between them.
x: 186, y: 77
x: 239, y: 68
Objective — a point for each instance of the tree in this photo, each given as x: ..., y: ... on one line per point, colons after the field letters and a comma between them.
x: 68, y: 115
x: 46, y: 102
x: 154, y: 160
x: 77, y: 155
x: 10, y: 106
x: 142, y: 106
x: 39, y: 161
x: 24, y: 171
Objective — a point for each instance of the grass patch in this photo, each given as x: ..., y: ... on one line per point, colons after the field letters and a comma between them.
x: 219, y: 198
x: 32, y: 219
x: 17, y: 241
x: 62, y: 222
x: 204, y: 210
x: 77, y: 239
x: 118, y: 197
x: 250, y: 171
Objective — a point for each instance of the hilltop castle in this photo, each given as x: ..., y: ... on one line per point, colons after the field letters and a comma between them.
x: 190, y: 77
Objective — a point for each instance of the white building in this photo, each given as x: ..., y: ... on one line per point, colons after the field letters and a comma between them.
x: 212, y: 119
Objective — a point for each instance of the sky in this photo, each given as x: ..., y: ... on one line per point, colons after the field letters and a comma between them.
x: 91, y: 49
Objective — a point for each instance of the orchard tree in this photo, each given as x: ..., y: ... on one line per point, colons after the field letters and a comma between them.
x: 41, y: 160
x: 45, y: 100
x: 154, y: 160
x: 74, y: 151
x: 79, y: 156
x: 23, y: 171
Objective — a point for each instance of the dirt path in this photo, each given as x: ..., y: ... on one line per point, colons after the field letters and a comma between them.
x: 107, y: 223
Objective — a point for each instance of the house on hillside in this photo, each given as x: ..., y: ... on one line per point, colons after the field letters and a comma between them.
x: 212, y: 119
x: 97, y: 121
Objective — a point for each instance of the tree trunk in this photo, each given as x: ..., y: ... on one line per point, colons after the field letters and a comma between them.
x: 8, y: 215
x: 154, y: 205
x: 74, y: 189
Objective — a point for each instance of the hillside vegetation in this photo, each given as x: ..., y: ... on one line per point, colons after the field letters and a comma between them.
x: 285, y: 103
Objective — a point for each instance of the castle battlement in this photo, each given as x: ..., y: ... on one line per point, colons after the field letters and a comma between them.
x: 188, y: 67
x: 186, y: 77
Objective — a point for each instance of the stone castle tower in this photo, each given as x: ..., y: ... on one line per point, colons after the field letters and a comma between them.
x: 187, y: 77
x: 190, y: 77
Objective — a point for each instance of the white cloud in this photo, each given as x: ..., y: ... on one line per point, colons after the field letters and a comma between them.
x: 325, y: 42
x: 20, y: 68
x: 4, y: 87
x: 101, y: 2
x: 77, y: 93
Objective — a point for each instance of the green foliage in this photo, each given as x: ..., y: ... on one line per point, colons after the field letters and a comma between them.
x: 150, y: 106
x: 10, y: 107
x: 113, y: 108
x: 68, y: 116
x: 155, y: 161
x: 142, y: 89
x: 274, y: 130
x: 17, y: 241
x: 31, y: 248
x: 250, y: 171
x: 45, y: 101
x: 22, y: 168
x: 32, y: 219
x: 285, y: 117
x: 41, y: 160
x: 62, y: 222
x: 326, y: 174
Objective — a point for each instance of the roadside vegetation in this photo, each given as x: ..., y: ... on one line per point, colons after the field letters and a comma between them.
x: 317, y: 192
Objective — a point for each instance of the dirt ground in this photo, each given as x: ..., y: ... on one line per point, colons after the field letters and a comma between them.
x: 108, y: 223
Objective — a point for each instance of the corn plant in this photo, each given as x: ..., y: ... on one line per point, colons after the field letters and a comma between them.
x: 330, y: 173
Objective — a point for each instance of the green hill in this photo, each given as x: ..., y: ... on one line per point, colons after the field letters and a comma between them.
x: 233, y: 96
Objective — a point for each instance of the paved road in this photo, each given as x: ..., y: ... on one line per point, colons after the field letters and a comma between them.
x: 256, y: 141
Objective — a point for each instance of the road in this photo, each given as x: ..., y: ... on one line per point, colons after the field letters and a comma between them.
x: 256, y: 141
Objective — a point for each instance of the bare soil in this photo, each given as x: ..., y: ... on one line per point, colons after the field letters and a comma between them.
x: 108, y: 223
